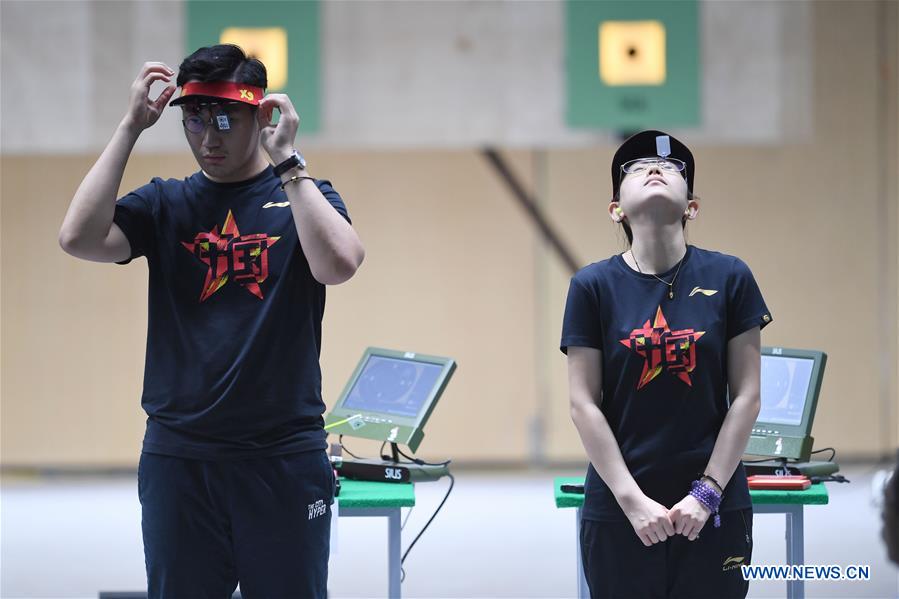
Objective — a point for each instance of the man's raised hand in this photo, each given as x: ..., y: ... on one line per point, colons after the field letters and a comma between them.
x: 278, y: 139
x: 143, y: 112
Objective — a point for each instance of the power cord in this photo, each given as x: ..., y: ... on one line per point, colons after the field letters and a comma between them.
x: 422, y: 462
x: 830, y: 478
x: 833, y: 453
x: 344, y: 447
x: 409, y: 513
x: 425, y: 527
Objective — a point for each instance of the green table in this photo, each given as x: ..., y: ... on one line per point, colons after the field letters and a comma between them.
x: 371, y: 499
x: 790, y: 503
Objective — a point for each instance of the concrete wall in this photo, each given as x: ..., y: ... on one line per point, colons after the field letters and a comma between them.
x: 399, y: 74
x: 453, y: 266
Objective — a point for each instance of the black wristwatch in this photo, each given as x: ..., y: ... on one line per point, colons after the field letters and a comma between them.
x: 295, y: 159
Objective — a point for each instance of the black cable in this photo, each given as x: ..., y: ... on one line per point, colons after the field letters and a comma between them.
x: 343, y: 447
x: 422, y: 462
x: 830, y: 478
x: 390, y: 458
x: 833, y: 453
x: 421, y: 532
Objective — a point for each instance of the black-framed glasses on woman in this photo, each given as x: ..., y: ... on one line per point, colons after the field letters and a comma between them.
x: 641, y: 165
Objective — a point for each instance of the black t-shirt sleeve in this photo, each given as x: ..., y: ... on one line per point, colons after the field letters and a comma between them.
x: 581, y: 326
x: 333, y: 197
x: 135, y: 215
x: 745, y: 305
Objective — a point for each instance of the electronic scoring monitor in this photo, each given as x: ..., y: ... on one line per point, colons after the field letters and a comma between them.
x: 390, y: 396
x: 791, y: 382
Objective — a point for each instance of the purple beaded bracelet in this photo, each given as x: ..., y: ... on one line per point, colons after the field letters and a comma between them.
x: 707, y: 496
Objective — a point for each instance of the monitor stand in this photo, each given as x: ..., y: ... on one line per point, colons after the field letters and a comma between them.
x: 783, y: 466
x: 391, y: 470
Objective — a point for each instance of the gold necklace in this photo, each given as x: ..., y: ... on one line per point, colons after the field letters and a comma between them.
x: 671, y: 284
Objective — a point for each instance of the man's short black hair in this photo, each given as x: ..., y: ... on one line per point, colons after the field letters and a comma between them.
x: 224, y: 62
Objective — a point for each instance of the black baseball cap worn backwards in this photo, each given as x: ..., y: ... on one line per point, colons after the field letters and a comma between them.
x: 649, y: 144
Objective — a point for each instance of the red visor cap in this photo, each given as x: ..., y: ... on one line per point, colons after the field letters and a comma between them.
x: 228, y: 90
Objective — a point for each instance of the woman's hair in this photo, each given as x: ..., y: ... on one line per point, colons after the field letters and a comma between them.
x: 627, y: 228
x: 224, y: 62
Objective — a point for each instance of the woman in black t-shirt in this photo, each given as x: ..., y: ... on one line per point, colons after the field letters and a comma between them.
x: 663, y: 346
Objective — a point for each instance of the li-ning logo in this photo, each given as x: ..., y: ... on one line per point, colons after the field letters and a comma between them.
x: 317, y: 509
x: 703, y: 291
x: 732, y: 563
x: 276, y: 205
x: 246, y: 94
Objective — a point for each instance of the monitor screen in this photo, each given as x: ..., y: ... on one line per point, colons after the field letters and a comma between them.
x: 393, y: 386
x: 785, y: 383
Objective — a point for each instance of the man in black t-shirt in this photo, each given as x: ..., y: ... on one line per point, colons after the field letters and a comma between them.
x: 234, y: 482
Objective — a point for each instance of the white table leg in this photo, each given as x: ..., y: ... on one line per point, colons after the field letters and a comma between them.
x: 794, y: 535
x: 394, y: 554
x: 394, y: 542
x: 795, y: 549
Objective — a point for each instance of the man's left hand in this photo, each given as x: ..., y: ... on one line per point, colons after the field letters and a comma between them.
x: 278, y: 138
x: 688, y: 517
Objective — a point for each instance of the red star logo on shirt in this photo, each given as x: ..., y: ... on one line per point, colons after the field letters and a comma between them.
x: 661, y: 347
x: 230, y: 254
